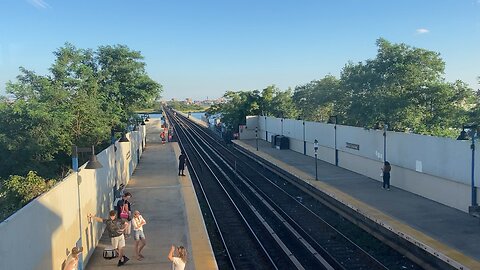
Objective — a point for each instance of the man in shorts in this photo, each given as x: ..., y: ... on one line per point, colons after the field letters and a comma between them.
x: 115, y: 228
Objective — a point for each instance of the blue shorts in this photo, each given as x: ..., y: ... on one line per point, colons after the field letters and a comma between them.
x: 137, y: 235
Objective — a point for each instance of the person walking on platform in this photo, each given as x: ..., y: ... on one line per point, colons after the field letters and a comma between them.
x: 138, y: 234
x: 181, y: 164
x: 178, y: 263
x: 115, y: 228
x: 386, y: 175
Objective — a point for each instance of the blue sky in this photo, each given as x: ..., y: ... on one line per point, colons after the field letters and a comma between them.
x: 204, y: 48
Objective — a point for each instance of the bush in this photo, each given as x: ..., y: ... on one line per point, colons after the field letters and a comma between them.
x: 17, y: 191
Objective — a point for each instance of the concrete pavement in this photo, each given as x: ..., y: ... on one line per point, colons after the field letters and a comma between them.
x: 169, y: 205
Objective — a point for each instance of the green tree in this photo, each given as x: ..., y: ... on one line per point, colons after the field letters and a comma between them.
x: 404, y: 86
x: 123, y: 82
x: 17, y: 191
x: 271, y: 101
x: 318, y: 100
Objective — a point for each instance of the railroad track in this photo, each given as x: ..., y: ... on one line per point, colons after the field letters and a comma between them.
x: 263, y: 221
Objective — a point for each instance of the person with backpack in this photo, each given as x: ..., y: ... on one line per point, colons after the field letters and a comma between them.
x: 124, y: 211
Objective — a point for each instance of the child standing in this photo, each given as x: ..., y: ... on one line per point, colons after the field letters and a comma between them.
x: 138, y: 234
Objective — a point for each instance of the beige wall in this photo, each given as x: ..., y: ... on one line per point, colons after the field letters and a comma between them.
x: 433, y: 167
x: 41, y: 234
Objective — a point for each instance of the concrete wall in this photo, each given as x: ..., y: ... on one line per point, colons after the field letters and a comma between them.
x: 433, y: 167
x: 41, y: 234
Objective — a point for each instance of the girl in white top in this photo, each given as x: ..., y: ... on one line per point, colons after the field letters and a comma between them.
x: 178, y: 263
x: 138, y: 234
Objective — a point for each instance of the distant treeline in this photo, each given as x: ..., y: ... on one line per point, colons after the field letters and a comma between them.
x: 403, y: 86
x: 186, y: 107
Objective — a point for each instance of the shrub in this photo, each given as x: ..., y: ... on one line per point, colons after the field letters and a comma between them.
x: 17, y: 191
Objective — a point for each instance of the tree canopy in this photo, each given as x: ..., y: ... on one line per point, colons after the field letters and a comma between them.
x: 85, y: 94
x: 403, y: 86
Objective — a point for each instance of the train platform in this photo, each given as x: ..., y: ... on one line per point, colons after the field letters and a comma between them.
x: 169, y: 205
x: 445, y: 232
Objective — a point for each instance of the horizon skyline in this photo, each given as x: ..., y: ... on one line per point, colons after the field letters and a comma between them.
x: 205, y: 49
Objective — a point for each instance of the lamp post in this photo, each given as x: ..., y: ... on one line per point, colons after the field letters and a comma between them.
x: 92, y: 164
x: 315, y: 148
x: 473, y: 135
x: 123, y: 139
x: 256, y: 137
x: 334, y: 117
x: 385, y: 127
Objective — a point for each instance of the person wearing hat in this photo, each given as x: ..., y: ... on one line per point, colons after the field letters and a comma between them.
x: 72, y: 260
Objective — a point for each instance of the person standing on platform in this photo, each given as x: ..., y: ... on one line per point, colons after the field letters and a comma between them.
x: 138, y: 234
x: 178, y: 263
x: 124, y: 211
x: 72, y: 260
x: 386, y: 175
x: 115, y: 228
x: 181, y: 164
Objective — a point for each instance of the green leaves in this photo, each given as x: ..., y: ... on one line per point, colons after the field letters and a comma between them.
x: 238, y: 105
x: 86, y: 94
x: 17, y: 191
x: 403, y: 86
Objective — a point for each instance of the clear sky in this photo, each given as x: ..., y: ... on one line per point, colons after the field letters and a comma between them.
x: 204, y: 48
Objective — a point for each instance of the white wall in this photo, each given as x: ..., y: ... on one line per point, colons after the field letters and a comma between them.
x: 433, y: 167
x: 41, y: 234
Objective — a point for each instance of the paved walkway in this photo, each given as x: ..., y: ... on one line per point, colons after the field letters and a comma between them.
x: 431, y: 225
x: 170, y: 207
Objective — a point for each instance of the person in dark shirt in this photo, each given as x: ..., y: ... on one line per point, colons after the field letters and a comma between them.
x: 115, y: 228
x: 124, y: 205
x: 181, y: 164
x: 386, y: 175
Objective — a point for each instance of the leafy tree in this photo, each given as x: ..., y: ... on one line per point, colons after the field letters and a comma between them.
x: 123, y: 81
x: 87, y: 93
x: 17, y: 191
x: 318, y: 100
x: 404, y: 87
x: 271, y: 101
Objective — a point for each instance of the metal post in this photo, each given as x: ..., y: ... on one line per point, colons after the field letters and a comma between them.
x: 266, y: 130
x: 256, y: 136
x: 75, y: 169
x: 474, y: 190
x: 335, y: 140
x: 316, y: 167
x: 385, y: 126
x: 281, y: 120
x: 304, y: 142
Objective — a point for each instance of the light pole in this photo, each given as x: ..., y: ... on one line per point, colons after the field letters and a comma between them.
x: 335, y: 117
x: 123, y: 139
x: 304, y: 141
x: 315, y: 148
x: 92, y: 164
x: 473, y: 135
x: 256, y: 136
x: 385, y: 127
